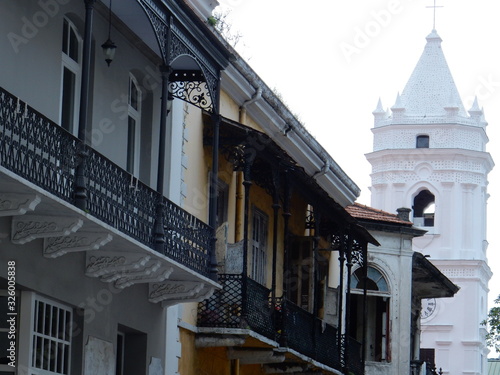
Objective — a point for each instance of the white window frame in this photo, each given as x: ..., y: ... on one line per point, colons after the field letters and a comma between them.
x: 28, y: 334
x: 75, y: 68
x: 386, y: 316
x: 134, y: 114
x: 7, y: 368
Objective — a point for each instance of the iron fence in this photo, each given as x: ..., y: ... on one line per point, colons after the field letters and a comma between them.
x: 430, y: 368
x: 40, y: 151
x: 355, y: 362
x: 244, y: 303
x: 241, y: 303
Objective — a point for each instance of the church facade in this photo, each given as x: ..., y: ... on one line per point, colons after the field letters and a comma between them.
x: 429, y: 154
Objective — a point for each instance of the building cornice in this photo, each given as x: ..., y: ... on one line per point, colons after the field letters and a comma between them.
x: 241, y: 82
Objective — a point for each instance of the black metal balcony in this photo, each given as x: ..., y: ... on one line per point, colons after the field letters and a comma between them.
x: 355, y: 362
x: 430, y: 368
x: 43, y: 153
x: 243, y: 303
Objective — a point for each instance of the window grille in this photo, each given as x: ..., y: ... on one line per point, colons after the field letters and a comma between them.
x: 51, y: 338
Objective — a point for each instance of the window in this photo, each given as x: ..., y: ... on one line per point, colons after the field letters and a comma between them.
x: 71, y: 71
x: 300, y: 292
x: 377, y: 317
x: 46, y: 330
x: 259, y: 243
x: 131, y: 356
x: 133, y: 125
x: 423, y: 141
x: 4, y: 335
x: 120, y: 352
x: 428, y: 355
x: 424, y: 209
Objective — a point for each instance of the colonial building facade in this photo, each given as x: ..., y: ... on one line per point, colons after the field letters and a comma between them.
x: 429, y: 153
x: 162, y: 211
x: 398, y: 280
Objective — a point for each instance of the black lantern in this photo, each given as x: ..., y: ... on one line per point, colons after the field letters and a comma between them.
x: 108, y: 47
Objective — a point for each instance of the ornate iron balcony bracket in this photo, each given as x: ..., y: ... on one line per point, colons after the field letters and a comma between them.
x: 200, y: 89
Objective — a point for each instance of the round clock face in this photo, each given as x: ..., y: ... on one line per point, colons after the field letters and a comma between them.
x: 428, y: 308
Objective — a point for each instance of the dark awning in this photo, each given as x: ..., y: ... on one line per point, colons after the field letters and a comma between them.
x: 428, y: 281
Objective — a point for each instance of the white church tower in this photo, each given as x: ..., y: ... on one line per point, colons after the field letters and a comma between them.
x: 429, y: 154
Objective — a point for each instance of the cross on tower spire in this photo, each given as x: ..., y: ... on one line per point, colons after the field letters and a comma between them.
x: 434, y: 18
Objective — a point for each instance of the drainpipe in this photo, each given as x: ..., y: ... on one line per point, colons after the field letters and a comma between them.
x: 243, y: 109
x: 324, y: 169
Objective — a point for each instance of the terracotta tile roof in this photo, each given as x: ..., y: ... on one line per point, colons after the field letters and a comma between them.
x: 362, y: 212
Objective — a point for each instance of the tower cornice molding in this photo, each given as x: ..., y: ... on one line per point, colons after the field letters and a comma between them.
x: 440, y: 137
x: 411, y: 157
x: 448, y: 119
x: 464, y: 269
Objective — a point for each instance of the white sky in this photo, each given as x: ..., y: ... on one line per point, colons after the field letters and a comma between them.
x: 296, y: 47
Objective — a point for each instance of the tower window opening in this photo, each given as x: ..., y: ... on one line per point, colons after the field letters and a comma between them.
x: 423, y: 141
x: 424, y: 209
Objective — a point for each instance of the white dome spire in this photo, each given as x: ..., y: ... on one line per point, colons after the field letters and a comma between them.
x: 431, y: 87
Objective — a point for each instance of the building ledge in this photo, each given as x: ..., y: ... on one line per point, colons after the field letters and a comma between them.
x: 40, y: 218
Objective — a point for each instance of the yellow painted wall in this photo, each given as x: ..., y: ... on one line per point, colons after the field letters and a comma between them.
x: 189, y: 354
x: 228, y: 108
x: 298, y: 209
x: 251, y: 370
x: 212, y: 361
x: 231, y: 110
x: 198, y: 166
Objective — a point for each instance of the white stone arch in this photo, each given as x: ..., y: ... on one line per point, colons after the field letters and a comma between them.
x: 385, y: 270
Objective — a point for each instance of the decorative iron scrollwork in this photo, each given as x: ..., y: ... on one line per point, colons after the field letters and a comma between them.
x: 310, y: 220
x: 158, y: 20
x: 173, y: 43
x: 181, y: 46
x: 194, y: 92
x: 357, y: 253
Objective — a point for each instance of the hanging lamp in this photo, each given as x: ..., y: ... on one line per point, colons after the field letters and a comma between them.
x: 108, y: 47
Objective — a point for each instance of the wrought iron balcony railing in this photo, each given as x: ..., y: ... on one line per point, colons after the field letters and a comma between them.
x: 416, y: 368
x: 244, y: 303
x: 46, y: 155
x: 355, y: 362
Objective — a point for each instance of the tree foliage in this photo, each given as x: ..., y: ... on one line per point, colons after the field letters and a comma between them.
x: 493, y: 323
